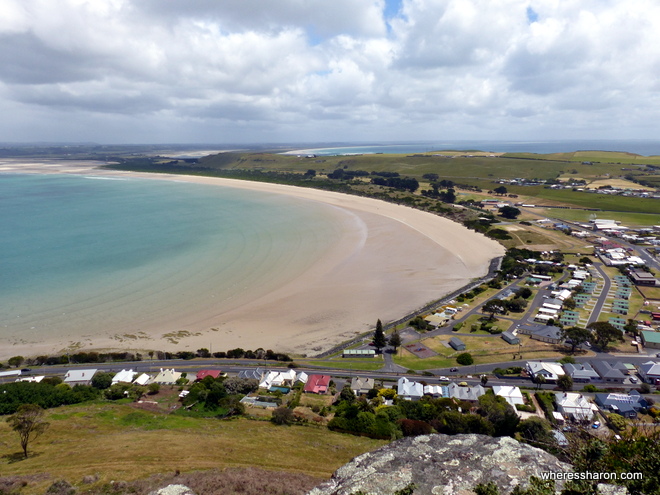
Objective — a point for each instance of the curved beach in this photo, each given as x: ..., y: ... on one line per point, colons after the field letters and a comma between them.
x: 390, y: 260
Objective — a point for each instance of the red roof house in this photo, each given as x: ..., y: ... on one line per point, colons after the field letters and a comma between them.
x: 317, y: 384
x: 204, y: 373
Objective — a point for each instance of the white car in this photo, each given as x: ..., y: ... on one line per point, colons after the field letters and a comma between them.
x: 444, y: 378
x: 633, y: 379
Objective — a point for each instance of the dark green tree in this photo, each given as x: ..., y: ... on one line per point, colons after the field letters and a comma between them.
x: 16, y: 361
x: 395, y: 340
x: 500, y: 190
x: 465, y: 359
x: 102, y: 380
x: 509, y: 212
x: 494, y: 306
x: 379, y: 336
x: 29, y: 423
x: 605, y: 333
x: 577, y: 336
x: 565, y: 382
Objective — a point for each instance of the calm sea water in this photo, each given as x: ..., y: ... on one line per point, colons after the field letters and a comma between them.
x: 641, y: 147
x: 78, y: 254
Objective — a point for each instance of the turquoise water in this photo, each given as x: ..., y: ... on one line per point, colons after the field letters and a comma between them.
x: 83, y: 254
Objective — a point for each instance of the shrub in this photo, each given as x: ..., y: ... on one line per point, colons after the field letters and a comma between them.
x: 465, y: 359
x: 413, y: 427
x: 283, y: 416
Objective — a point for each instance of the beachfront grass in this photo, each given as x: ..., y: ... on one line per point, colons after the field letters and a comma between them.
x: 118, y: 442
x: 358, y: 364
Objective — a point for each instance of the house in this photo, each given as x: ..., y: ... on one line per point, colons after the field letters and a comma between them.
x: 436, y: 390
x: 470, y: 394
x: 317, y: 384
x: 607, y: 372
x: 212, y: 373
x: 278, y: 379
x: 550, y: 371
x: 581, y: 372
x: 409, y: 390
x: 457, y: 344
x: 79, y: 377
x: 361, y: 386
x: 167, y: 377
x: 302, y: 377
x: 142, y: 380
x: 124, y: 376
x: 651, y: 339
x: 512, y: 395
x: 650, y: 372
x: 510, y: 338
x: 627, y: 405
x: 542, y: 333
x: 33, y: 379
x: 574, y: 406
x: 255, y: 374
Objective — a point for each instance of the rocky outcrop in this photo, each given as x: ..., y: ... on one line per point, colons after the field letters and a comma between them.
x: 441, y: 465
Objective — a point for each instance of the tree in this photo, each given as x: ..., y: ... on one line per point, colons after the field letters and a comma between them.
x: 535, y: 429
x: 605, y: 333
x: 494, y: 306
x: 395, y: 340
x: 484, y: 380
x: 28, y: 422
x: 539, y: 380
x: 510, y: 212
x: 565, y: 382
x: 500, y: 190
x: 524, y: 292
x: 102, y: 380
x: 465, y: 359
x: 577, y: 336
x: 283, y: 416
x: 379, y: 336
x: 16, y: 361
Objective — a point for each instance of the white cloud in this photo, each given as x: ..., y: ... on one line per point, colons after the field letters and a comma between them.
x: 318, y: 70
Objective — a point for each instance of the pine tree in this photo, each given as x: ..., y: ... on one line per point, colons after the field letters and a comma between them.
x: 379, y: 336
x: 395, y: 340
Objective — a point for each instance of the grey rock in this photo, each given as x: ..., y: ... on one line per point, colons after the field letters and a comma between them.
x: 442, y: 465
x: 173, y: 490
x: 604, y: 489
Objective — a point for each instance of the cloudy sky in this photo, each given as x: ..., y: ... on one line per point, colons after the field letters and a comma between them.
x: 228, y: 71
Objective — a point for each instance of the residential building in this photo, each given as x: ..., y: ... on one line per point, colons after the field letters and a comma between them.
x: 640, y: 277
x: 512, y: 395
x: 79, y: 377
x: 510, y: 338
x: 627, y: 405
x: 550, y: 371
x: 317, y: 384
x: 470, y: 394
x: 212, y: 373
x: 254, y: 374
x: 167, y: 376
x: 607, y: 372
x: 408, y: 389
x: 542, y: 333
x: 650, y: 372
x: 124, y: 376
x: 581, y: 372
x: 574, y: 406
x: 361, y: 386
x: 278, y: 379
x: 142, y: 380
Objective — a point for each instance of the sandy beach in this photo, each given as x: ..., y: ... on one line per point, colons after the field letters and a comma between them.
x: 391, y: 260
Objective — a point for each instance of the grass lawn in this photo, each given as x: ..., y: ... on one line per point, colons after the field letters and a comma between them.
x: 650, y: 292
x: 119, y: 442
x: 632, y: 219
x: 362, y: 364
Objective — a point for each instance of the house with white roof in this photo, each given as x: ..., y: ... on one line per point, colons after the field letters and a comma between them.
x: 79, y: 377
x: 581, y: 372
x: 124, y: 376
x: 512, y: 395
x: 167, y: 377
x: 278, y: 379
x: 142, y: 380
x: 408, y: 389
x: 550, y: 371
x: 574, y: 406
x: 650, y: 372
x: 436, y: 390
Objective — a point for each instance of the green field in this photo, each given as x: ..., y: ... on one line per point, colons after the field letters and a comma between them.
x: 631, y: 219
x: 613, y: 157
x: 118, y: 442
x: 601, y: 201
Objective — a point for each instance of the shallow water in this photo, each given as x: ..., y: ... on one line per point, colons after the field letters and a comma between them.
x: 79, y: 255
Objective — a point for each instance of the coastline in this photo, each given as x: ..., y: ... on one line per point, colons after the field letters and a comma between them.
x: 392, y: 260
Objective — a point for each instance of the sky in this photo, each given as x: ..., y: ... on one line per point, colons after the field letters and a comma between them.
x: 294, y: 71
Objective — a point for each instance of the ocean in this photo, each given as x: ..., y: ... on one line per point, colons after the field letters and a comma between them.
x: 641, y: 147
x: 128, y: 255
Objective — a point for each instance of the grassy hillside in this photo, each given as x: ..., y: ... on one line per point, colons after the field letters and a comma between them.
x: 119, y: 442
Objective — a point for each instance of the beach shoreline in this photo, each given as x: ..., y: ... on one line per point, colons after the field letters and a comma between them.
x: 392, y: 260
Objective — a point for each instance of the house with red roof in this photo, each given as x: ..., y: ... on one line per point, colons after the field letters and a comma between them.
x: 213, y: 373
x: 317, y: 384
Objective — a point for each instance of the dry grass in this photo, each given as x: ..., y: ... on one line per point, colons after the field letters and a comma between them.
x: 117, y: 442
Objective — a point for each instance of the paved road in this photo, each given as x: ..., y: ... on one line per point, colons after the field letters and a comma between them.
x: 607, y: 285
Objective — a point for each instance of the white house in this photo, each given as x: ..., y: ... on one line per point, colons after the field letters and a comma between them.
x: 124, y: 376
x: 79, y: 377
x: 550, y: 371
x: 574, y: 406
x: 409, y: 389
x: 512, y: 395
x: 278, y: 379
x: 143, y: 379
x: 167, y: 377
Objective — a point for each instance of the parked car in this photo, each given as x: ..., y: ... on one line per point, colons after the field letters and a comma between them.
x: 633, y: 379
x: 596, y: 425
x: 26, y: 370
x: 462, y: 384
x: 454, y: 370
x: 444, y: 378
